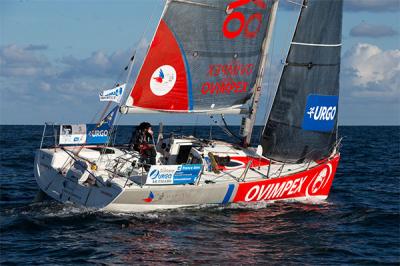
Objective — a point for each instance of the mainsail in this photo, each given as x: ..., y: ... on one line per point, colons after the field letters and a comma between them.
x: 303, y: 120
x: 204, y: 57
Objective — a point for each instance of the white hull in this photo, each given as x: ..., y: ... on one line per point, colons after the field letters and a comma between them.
x: 261, y: 180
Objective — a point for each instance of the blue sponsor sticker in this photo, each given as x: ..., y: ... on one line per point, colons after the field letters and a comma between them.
x: 320, y: 113
x: 187, y: 174
x: 173, y: 174
x: 97, y: 135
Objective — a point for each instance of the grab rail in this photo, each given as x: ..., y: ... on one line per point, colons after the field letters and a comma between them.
x: 53, y: 135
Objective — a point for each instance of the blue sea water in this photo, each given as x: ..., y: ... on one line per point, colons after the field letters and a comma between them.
x: 358, y: 224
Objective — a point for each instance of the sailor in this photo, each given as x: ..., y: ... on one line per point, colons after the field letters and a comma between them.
x: 142, y: 141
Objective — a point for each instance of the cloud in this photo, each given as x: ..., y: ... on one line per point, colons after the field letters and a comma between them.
x: 28, y: 77
x: 372, y: 5
x: 36, y: 47
x: 98, y: 64
x: 373, y: 31
x: 18, y: 62
x: 372, y: 73
x: 63, y: 89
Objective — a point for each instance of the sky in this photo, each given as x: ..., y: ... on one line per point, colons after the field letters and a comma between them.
x: 56, y: 56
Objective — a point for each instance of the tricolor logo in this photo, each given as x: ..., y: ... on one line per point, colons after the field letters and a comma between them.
x: 149, y: 198
x: 160, y: 77
x: 163, y: 80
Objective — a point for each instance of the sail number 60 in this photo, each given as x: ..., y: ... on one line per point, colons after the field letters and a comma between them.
x: 244, y: 24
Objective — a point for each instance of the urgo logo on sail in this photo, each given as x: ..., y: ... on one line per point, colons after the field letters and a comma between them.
x: 163, y: 80
x: 320, y: 113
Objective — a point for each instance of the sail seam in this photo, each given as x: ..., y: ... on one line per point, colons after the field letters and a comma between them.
x: 317, y: 44
x: 194, y: 3
x: 309, y: 65
x: 295, y: 126
x: 189, y: 76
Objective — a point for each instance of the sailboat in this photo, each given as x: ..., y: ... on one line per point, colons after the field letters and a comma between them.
x: 209, y: 57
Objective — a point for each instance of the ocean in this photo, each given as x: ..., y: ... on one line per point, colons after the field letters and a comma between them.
x: 358, y: 224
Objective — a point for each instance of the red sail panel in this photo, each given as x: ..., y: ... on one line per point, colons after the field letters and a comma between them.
x: 162, y: 83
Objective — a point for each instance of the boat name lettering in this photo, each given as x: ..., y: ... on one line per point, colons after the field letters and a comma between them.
x: 276, y: 190
x: 226, y: 86
x: 230, y: 70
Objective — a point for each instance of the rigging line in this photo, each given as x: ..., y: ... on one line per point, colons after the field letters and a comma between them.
x: 275, y: 79
x: 279, y: 77
x: 227, y: 129
x: 299, y: 127
x: 104, y: 112
x: 90, y: 173
x: 296, y: 3
x: 269, y: 98
x: 96, y: 114
x: 130, y: 69
x: 271, y: 79
x: 290, y: 34
x: 195, y: 125
x: 114, y: 132
x: 148, y: 46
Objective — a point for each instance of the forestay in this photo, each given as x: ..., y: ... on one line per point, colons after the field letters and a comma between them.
x: 303, y: 120
x: 204, y: 57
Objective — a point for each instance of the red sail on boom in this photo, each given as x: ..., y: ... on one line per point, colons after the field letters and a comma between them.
x: 162, y: 82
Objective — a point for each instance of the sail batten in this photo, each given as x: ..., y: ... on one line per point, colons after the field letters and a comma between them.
x: 302, y: 123
x: 317, y: 44
x: 204, y: 56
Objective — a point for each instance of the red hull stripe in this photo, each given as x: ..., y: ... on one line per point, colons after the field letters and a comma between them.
x: 316, y: 181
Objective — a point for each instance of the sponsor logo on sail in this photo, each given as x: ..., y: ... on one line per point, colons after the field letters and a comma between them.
x: 163, y: 80
x: 251, y: 26
x: 320, y: 113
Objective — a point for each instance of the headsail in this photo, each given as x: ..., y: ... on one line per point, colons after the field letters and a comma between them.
x: 303, y: 119
x: 204, y: 56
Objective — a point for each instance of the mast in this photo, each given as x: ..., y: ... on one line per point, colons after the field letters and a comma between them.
x: 249, y: 121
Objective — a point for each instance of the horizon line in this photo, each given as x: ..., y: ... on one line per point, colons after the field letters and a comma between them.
x: 189, y: 125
